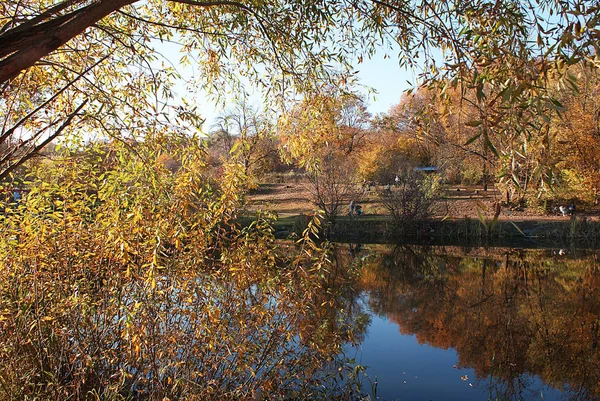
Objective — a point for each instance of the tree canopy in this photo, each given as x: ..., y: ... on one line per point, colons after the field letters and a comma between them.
x: 93, y: 64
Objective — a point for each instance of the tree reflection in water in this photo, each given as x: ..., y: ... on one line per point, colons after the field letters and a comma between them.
x: 265, y: 320
x: 509, y: 314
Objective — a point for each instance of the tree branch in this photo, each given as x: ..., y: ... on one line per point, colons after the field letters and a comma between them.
x: 11, y: 130
x: 28, y: 155
x: 82, y: 19
x: 210, y: 3
x: 46, y: 14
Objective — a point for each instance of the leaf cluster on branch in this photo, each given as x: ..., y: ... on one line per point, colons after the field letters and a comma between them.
x: 103, y: 51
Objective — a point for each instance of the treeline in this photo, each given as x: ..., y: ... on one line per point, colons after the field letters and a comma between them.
x: 539, y: 152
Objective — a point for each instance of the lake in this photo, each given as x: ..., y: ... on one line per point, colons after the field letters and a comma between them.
x: 451, y: 323
x: 286, y: 320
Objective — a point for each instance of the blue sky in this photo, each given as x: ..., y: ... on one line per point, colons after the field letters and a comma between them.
x: 379, y: 73
x: 387, y: 78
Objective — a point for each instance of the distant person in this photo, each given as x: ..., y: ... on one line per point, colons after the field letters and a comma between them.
x: 397, y: 180
x: 351, y: 208
x: 17, y: 195
x: 567, y: 210
x: 358, y: 210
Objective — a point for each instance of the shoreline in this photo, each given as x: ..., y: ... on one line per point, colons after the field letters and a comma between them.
x: 577, y: 231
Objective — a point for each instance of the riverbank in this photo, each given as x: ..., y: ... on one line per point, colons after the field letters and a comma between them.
x: 462, y: 216
x: 460, y: 232
x: 456, y: 202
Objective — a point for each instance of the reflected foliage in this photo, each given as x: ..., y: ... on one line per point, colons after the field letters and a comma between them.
x: 509, y: 314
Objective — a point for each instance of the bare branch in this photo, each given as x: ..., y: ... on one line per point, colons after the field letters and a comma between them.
x: 29, y: 154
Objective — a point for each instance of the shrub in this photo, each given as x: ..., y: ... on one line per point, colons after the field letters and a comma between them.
x: 412, y: 198
x: 136, y: 283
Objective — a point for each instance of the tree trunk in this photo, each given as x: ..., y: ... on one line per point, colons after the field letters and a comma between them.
x: 38, y: 43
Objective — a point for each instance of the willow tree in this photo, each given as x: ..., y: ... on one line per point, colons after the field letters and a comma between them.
x: 92, y: 65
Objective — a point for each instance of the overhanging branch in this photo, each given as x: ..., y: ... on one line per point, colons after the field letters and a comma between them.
x: 79, y: 20
x: 30, y: 153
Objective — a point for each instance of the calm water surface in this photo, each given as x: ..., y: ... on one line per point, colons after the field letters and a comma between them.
x: 475, y: 324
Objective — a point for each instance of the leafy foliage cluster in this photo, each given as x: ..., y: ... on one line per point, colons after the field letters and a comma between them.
x: 542, y: 154
x: 92, y: 65
x: 120, y: 279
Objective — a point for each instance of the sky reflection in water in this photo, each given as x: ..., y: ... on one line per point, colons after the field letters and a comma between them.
x: 407, y: 370
x: 504, y: 313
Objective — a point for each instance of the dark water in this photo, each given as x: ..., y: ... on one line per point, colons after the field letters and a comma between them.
x: 474, y: 324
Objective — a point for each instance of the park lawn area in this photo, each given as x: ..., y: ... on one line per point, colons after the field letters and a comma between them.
x: 289, y: 200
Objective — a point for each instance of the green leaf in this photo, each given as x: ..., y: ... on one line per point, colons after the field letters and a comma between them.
x: 473, y: 139
x: 480, y: 94
x: 556, y: 105
x: 481, y: 218
x: 506, y: 94
x: 491, y: 146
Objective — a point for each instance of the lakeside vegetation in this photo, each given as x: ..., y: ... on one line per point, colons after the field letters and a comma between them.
x: 124, y: 271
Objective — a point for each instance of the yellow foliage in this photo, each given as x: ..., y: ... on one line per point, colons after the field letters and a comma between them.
x: 118, y: 277
x: 382, y: 162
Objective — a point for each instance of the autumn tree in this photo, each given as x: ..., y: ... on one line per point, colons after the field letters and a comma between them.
x: 353, y: 121
x: 387, y: 156
x: 92, y: 65
x: 409, y: 119
x: 139, y: 282
x: 576, y: 135
x: 397, y: 142
x: 478, y: 139
x: 321, y: 134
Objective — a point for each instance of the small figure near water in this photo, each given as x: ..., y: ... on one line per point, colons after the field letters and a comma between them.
x: 358, y: 210
x: 567, y: 210
x: 354, y: 209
